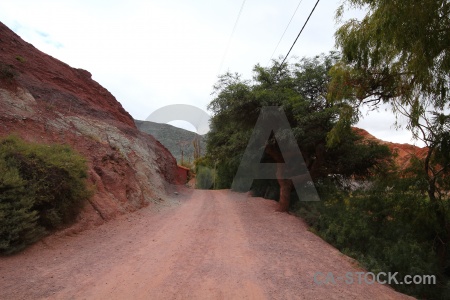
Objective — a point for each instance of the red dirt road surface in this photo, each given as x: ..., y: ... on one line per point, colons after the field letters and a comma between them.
x: 205, y: 245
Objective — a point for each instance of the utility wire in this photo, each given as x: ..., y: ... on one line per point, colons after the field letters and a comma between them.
x: 284, y: 31
x: 306, y: 22
x: 231, y: 36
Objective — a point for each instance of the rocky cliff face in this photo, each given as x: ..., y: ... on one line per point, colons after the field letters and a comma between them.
x: 403, y: 152
x: 44, y: 100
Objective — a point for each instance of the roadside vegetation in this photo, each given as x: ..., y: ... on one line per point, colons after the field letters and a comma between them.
x: 389, y: 219
x: 42, y: 188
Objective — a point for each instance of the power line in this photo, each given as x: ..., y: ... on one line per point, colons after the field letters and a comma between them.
x: 231, y: 36
x: 306, y: 22
x: 285, y: 31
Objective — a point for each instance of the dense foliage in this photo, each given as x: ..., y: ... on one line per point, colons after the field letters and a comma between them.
x: 399, y: 54
x: 42, y: 187
x: 384, y: 217
x: 387, y: 225
x: 300, y: 90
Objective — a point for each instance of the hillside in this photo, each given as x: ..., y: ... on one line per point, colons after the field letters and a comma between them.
x: 173, y: 138
x: 45, y: 100
x: 402, y: 152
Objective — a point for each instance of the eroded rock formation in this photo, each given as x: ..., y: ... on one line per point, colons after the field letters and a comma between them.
x: 45, y: 100
x: 402, y: 152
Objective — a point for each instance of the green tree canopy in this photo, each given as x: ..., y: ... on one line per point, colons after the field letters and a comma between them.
x: 400, y: 50
x: 399, y: 54
x: 300, y: 89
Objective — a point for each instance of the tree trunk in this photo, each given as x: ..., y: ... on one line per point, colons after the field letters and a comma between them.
x: 285, y: 194
x: 285, y: 184
x: 285, y: 189
x: 444, y: 238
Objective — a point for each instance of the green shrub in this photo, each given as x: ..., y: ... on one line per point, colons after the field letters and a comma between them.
x: 266, y: 188
x: 387, y: 227
x: 20, y: 59
x: 18, y: 220
x: 205, y: 178
x: 7, y: 72
x: 43, y: 187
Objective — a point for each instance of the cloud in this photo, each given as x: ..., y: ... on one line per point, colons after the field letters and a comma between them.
x: 34, y: 36
x: 152, y: 53
x: 43, y: 34
x: 381, y: 124
x: 46, y: 38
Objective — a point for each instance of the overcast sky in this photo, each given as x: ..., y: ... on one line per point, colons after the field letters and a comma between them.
x: 152, y: 53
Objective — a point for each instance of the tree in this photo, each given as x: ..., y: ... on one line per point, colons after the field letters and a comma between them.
x: 400, y: 50
x: 399, y: 54
x: 300, y: 90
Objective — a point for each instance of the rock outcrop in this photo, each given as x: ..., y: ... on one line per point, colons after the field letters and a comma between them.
x: 402, y: 152
x: 45, y: 100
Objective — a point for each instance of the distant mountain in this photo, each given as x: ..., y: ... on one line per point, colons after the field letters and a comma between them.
x: 173, y: 138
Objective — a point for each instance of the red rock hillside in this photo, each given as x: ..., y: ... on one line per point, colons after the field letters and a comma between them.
x: 404, y: 152
x: 44, y: 100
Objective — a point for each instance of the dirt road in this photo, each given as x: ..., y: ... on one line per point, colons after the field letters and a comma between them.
x: 211, y: 245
